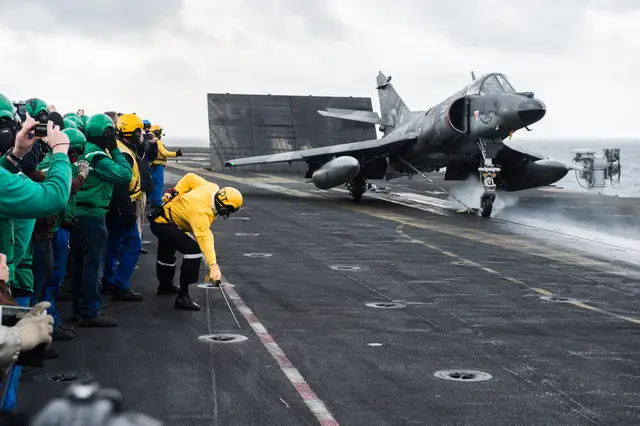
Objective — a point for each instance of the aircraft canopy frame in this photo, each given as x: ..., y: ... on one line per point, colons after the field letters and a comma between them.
x: 490, y: 84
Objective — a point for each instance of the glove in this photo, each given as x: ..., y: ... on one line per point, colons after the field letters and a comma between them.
x: 129, y: 221
x: 83, y: 168
x: 215, y: 276
x: 35, y: 328
x: 179, y: 152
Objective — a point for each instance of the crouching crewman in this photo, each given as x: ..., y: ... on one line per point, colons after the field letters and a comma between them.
x: 183, y: 223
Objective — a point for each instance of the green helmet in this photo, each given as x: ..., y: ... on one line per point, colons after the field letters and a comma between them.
x: 69, y: 124
x: 7, y: 110
x: 37, y: 109
x: 97, y: 125
x: 76, y: 119
x: 76, y: 138
x: 85, y: 118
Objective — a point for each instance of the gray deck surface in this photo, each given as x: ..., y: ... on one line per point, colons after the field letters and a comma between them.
x: 471, y: 289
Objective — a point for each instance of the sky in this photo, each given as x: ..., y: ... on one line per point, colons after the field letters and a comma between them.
x: 160, y: 58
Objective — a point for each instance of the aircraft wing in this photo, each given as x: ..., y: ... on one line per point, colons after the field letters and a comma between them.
x: 355, y: 115
x: 374, y: 147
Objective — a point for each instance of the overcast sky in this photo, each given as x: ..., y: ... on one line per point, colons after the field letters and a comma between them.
x: 159, y: 58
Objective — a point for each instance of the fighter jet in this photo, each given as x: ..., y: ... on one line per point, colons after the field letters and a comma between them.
x: 465, y: 133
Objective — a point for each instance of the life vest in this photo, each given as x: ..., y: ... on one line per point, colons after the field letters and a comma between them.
x: 135, y: 193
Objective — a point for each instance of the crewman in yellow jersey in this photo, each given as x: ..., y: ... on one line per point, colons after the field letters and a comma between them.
x: 183, y: 223
x: 157, y: 166
x: 122, y: 221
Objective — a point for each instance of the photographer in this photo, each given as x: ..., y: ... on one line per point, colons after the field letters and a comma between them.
x: 124, y: 237
x: 107, y: 166
x: 23, y: 198
x: 50, y: 240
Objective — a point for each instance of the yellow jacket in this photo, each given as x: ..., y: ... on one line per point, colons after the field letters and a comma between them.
x: 163, y: 154
x: 193, y: 211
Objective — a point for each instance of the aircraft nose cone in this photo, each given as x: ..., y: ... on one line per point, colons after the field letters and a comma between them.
x: 531, y: 111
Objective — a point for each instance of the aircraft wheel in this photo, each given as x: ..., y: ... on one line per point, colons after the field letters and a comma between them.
x: 486, y: 205
x: 358, y: 188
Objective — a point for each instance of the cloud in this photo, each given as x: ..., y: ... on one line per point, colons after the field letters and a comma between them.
x: 161, y: 57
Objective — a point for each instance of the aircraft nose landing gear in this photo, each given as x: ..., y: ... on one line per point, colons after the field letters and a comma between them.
x: 486, y: 204
x: 487, y: 172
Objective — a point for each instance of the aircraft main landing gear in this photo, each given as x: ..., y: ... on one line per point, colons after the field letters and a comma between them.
x: 357, y: 187
x: 487, y: 173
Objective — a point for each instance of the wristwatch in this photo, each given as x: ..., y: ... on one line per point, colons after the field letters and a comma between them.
x: 11, y: 155
x: 15, y: 159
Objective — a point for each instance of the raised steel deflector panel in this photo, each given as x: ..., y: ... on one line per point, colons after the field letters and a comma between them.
x: 247, y: 125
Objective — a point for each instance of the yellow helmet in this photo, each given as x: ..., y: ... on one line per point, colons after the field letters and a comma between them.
x: 227, y: 200
x: 156, y: 130
x: 127, y: 124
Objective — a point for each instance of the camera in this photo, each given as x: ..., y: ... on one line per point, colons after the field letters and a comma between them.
x: 11, y: 315
x: 41, y: 130
x: 88, y: 404
x: 21, y: 109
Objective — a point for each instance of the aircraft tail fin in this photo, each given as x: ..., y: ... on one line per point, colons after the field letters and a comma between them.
x: 392, y: 107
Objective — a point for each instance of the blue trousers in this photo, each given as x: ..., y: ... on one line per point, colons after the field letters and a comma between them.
x: 9, y: 402
x: 126, y: 243
x: 89, y: 246
x: 157, y: 175
x: 60, y: 246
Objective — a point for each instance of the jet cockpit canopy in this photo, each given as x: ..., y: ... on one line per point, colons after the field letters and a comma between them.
x: 490, y: 84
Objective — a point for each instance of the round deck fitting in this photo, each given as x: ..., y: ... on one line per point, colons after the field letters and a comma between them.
x: 258, y: 254
x: 309, y: 214
x: 552, y: 298
x: 386, y: 305
x: 240, y: 218
x: 345, y: 268
x: 62, y: 377
x: 246, y: 234
x: 463, y: 375
x: 222, y: 338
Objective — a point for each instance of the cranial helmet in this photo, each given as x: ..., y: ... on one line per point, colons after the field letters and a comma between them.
x: 227, y: 200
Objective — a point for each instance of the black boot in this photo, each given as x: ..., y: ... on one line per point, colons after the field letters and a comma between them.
x: 164, y: 290
x: 127, y: 295
x: 60, y: 332
x: 99, y: 321
x: 184, y: 302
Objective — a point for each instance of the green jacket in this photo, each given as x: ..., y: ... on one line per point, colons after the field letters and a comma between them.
x: 68, y: 214
x: 24, y: 199
x: 104, y: 170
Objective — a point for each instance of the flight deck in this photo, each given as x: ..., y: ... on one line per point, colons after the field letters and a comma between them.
x: 396, y: 310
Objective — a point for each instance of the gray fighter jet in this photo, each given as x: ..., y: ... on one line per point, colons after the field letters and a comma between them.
x: 465, y: 133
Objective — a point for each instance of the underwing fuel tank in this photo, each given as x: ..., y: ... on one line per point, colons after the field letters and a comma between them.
x: 336, y: 172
